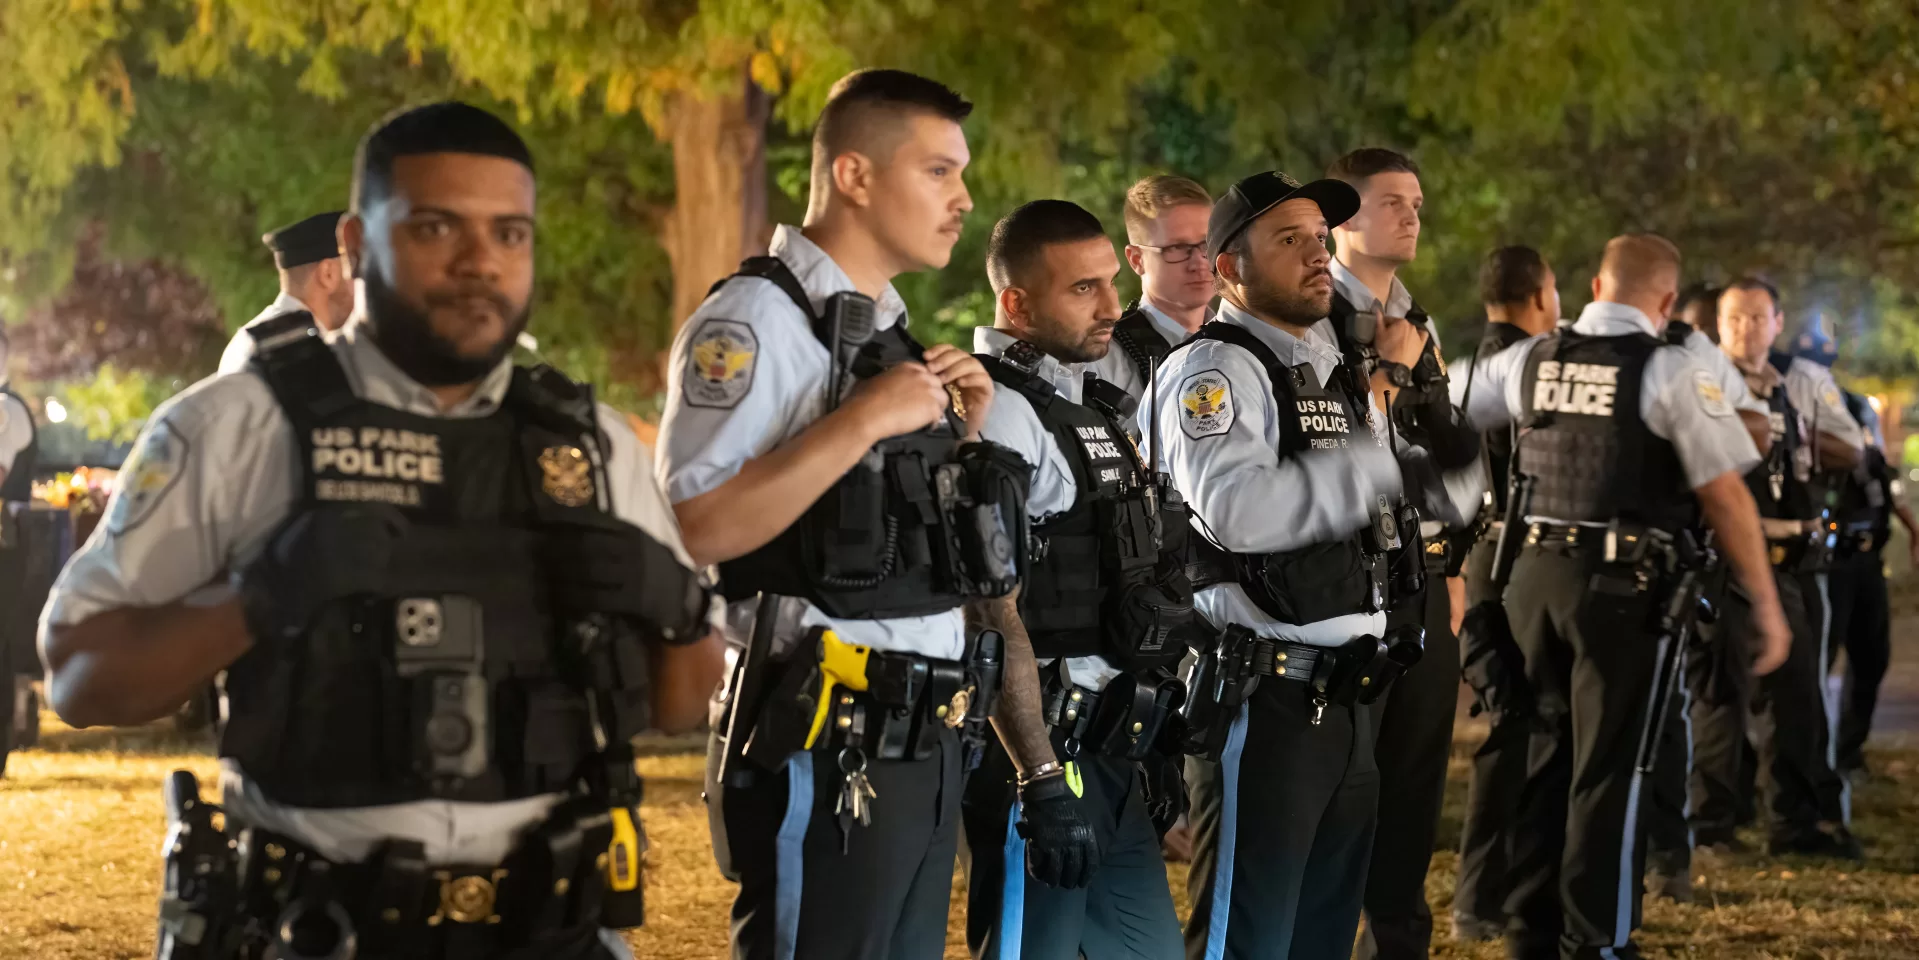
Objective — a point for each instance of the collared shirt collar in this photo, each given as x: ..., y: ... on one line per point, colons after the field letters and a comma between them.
x: 375, y: 378
x: 1167, y: 326
x: 285, y: 303
x: 1067, y: 378
x: 1399, y: 301
x: 1314, y: 348
x: 822, y: 277
x: 1603, y: 318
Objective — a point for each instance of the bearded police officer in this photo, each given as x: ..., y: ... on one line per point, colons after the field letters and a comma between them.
x: 1414, y: 724
x: 313, y: 281
x: 1521, y: 296
x: 851, y: 526
x: 1619, y: 434
x: 1165, y: 245
x: 1806, y: 799
x: 18, y: 456
x: 451, y: 576
x: 1106, y: 604
x: 1281, y: 450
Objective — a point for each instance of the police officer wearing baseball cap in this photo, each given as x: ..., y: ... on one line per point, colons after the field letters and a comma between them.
x: 1282, y: 452
x: 315, y: 286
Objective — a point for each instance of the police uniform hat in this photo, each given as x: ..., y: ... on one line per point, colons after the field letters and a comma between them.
x: 307, y: 241
x: 1253, y: 196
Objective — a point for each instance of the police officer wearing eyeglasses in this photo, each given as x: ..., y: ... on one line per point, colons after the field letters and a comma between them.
x: 1282, y: 451
x: 444, y: 589
x: 1624, y: 439
x: 1166, y: 246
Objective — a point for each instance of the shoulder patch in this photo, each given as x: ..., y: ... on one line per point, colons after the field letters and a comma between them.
x: 1206, y: 404
x: 1831, y: 398
x: 720, y: 364
x: 149, y: 473
x: 1711, y: 395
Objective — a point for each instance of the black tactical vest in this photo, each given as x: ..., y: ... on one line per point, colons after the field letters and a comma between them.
x: 18, y: 487
x: 885, y: 541
x: 1429, y: 377
x: 340, y: 718
x: 1865, y: 494
x: 1144, y: 347
x: 1775, y: 482
x: 1323, y: 580
x: 1591, y: 456
x: 1498, y: 443
x: 1104, y: 580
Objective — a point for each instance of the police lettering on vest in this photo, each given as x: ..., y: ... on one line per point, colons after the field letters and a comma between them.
x: 1584, y: 388
x: 348, y: 464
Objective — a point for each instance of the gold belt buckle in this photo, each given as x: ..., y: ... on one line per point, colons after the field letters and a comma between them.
x: 467, y: 899
x: 954, y: 712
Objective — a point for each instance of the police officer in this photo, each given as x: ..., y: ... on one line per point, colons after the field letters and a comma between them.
x: 1108, y: 610
x: 1414, y: 723
x: 1280, y: 448
x: 313, y: 280
x: 1872, y: 494
x: 1668, y: 808
x: 1166, y: 245
x: 833, y: 513
x: 18, y: 454
x: 1617, y: 428
x: 1807, y: 804
x: 1521, y: 296
x: 452, y: 575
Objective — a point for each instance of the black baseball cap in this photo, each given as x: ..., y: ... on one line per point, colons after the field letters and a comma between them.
x: 308, y: 241
x: 1253, y: 196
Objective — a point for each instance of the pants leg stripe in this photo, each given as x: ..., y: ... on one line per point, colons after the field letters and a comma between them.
x: 1228, y: 835
x: 1827, y: 699
x: 790, y: 854
x: 1628, y: 894
x: 1685, y: 792
x: 1012, y: 898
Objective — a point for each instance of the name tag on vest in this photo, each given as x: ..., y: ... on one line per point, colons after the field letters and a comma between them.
x: 1102, y: 451
x: 1585, y: 388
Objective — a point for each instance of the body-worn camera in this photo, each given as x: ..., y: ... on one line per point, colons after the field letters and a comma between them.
x: 439, y: 646
x: 1384, y: 535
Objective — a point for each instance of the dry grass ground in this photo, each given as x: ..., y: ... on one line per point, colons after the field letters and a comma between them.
x: 80, y: 828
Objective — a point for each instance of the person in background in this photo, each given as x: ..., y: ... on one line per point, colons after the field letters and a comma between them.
x: 313, y: 280
x: 1165, y: 245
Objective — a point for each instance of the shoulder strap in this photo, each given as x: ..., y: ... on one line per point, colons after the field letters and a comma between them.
x: 1781, y: 362
x: 552, y: 399
x: 267, y: 332
x: 304, y: 375
x: 775, y: 270
x: 1244, y: 339
x: 1036, y: 391
x: 1677, y: 332
x: 1142, y: 343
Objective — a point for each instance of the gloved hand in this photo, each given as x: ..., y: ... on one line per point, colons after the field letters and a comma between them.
x: 1493, y: 665
x: 1061, y: 850
x: 316, y: 557
x: 1165, y: 776
x: 608, y: 566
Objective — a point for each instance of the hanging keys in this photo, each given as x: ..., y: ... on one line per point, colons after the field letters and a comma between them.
x: 1319, y: 710
x: 856, y: 792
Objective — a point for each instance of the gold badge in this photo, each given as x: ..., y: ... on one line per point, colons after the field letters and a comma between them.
x: 959, y: 402
x: 957, y: 707
x: 1777, y: 554
x: 467, y: 899
x: 566, y: 476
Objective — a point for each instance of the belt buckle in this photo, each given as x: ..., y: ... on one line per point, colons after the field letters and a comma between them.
x: 467, y: 899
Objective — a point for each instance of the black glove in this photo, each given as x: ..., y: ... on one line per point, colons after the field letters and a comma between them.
x: 1493, y: 665
x: 316, y: 557
x: 1061, y: 850
x: 611, y: 567
x: 1165, y: 781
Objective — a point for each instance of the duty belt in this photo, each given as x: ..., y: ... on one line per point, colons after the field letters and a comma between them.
x: 1222, y: 678
x: 264, y: 894
x: 1122, y: 720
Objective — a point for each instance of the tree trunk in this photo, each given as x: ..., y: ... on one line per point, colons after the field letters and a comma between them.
x: 719, y: 174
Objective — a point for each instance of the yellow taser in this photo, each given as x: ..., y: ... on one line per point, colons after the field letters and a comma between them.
x: 842, y: 664
x: 624, y: 853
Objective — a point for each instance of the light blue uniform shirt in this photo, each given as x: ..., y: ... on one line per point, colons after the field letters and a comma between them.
x: 747, y: 374
x: 1216, y: 426
x: 1117, y: 368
